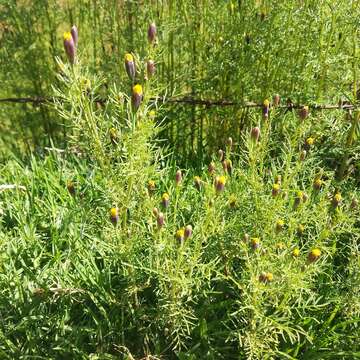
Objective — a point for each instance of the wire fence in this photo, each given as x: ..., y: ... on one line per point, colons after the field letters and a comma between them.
x: 188, y: 100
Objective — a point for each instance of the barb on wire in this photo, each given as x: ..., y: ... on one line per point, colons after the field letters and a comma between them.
x: 39, y: 100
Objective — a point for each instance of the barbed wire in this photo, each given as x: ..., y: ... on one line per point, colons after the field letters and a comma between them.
x: 39, y: 100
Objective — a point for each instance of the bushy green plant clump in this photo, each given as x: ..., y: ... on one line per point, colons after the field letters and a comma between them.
x: 109, y: 251
x: 305, y: 51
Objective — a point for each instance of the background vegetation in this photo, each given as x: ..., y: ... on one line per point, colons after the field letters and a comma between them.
x: 271, y: 267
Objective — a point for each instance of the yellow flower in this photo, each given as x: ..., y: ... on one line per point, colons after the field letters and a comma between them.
x: 255, y: 243
x: 165, y: 197
x: 152, y: 114
x: 269, y: 276
x: 317, y: 184
x: 300, y: 229
x: 266, y: 103
x: 275, y: 189
x: 180, y: 234
x: 113, y: 212
x: 129, y: 57
x: 151, y: 185
x: 310, y: 141
x: 280, y: 224
x: 314, y: 254
x: 67, y: 36
x: 137, y: 89
x: 296, y: 252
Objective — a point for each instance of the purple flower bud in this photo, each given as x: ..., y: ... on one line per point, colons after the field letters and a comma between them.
x: 211, y: 168
x: 75, y: 35
x: 304, y: 112
x: 221, y: 155
x: 276, y: 100
x: 160, y: 220
x: 302, y: 155
x: 178, y: 177
x: 255, y: 134
x: 354, y: 203
x: 69, y: 47
x: 150, y: 66
x: 152, y: 33
x: 130, y: 66
x: 188, y: 231
x: 197, y: 182
x: 229, y: 142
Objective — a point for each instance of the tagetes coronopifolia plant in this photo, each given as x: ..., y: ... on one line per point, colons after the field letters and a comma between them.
x: 130, y: 66
x: 69, y: 47
x: 137, y: 95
